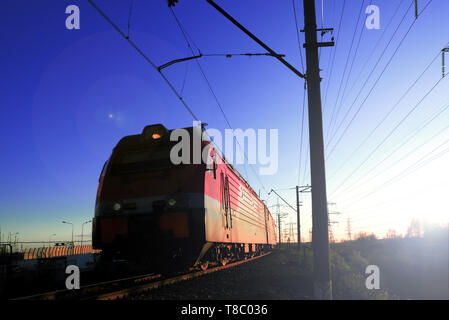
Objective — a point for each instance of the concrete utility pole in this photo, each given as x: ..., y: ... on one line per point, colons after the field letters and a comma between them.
x: 298, y: 211
x: 320, y: 232
x: 279, y: 221
x: 298, y: 217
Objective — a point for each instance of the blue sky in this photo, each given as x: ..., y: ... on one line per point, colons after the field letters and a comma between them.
x: 59, y: 88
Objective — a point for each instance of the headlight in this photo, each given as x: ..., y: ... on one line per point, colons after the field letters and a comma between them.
x: 117, y: 206
x: 171, y: 202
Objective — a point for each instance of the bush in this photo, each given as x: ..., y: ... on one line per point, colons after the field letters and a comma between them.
x: 348, y: 277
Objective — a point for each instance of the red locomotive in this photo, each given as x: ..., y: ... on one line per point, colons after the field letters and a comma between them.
x: 176, y: 215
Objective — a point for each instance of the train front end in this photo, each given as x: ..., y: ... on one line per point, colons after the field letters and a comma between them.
x: 147, y: 208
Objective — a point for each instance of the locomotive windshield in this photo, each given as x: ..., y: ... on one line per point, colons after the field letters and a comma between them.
x: 140, y: 160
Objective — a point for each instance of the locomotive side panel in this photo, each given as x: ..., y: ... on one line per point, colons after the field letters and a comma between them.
x: 244, y: 222
x: 248, y: 220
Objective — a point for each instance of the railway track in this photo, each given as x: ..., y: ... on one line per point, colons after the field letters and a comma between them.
x: 123, y: 288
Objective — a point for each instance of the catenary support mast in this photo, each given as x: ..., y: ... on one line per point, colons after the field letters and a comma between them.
x: 320, y: 233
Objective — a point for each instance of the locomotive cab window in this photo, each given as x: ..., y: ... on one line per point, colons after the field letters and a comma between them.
x: 141, y: 160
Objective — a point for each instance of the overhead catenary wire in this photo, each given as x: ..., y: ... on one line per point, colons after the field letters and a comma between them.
x: 144, y: 56
x: 214, y: 95
x: 184, y: 33
x: 200, y: 68
x: 103, y: 14
x: 227, y: 55
x: 184, y: 79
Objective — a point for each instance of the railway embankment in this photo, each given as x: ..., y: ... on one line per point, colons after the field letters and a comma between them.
x: 282, y: 275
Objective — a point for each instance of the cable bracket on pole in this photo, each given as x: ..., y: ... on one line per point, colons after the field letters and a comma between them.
x: 176, y: 61
x: 252, y: 36
x: 443, y: 51
x: 227, y: 55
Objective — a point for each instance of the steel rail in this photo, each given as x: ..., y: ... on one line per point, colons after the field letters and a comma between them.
x: 157, y: 284
x: 88, y: 289
x: 99, y: 291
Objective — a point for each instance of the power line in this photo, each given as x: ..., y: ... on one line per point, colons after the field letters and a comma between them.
x: 200, y: 68
x: 129, y: 15
x: 366, y: 81
x: 396, y: 200
x: 185, y: 78
x: 375, y: 46
x: 445, y: 107
x: 214, y: 95
x: 345, y: 68
x: 323, y: 32
x: 297, y: 37
x: 144, y: 56
x: 415, y: 166
x: 405, y: 142
x: 302, y: 130
x: 153, y: 65
x: 374, y: 85
x: 350, y: 71
x: 390, y: 133
x: 322, y: 26
x: 306, y: 168
x: 386, y: 115
x: 334, y: 54
x: 227, y: 55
